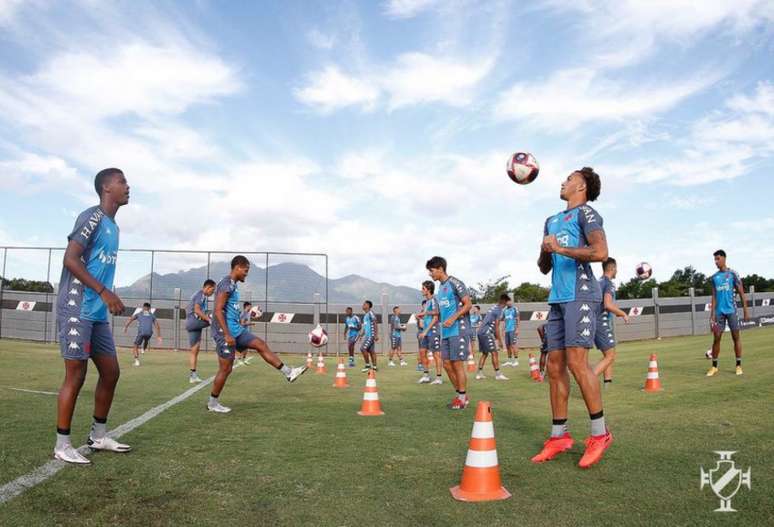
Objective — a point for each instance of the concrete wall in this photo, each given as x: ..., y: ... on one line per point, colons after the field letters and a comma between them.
x: 674, y: 319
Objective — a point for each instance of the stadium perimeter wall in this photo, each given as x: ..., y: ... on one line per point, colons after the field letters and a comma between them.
x: 285, y: 325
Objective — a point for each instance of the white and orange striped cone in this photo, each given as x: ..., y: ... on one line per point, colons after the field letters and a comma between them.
x: 534, y: 369
x: 471, y: 363
x: 309, y: 361
x: 653, y: 383
x: 321, y: 365
x: 371, y: 404
x: 430, y: 357
x: 481, y: 475
x: 341, y: 375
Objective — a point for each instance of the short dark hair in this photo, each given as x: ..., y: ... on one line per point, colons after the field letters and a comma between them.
x: 477, y: 306
x: 607, y: 263
x: 240, y: 260
x: 209, y: 283
x: 505, y: 297
x: 593, y: 183
x: 436, y: 262
x: 146, y: 304
x: 719, y: 252
x: 370, y: 304
x: 429, y: 285
x: 246, y: 304
x: 394, y: 308
x: 103, y: 176
x: 348, y: 309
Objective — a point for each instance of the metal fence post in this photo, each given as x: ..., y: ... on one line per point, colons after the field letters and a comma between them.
x: 2, y: 286
x: 656, y: 312
x: 338, y: 342
x: 266, y: 297
x: 316, y: 312
x: 752, y: 300
x: 176, y: 319
x: 692, y: 294
x: 150, y: 291
x: 385, y: 323
x: 45, y: 314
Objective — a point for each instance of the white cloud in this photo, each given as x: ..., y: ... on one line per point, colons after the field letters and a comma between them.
x: 408, y: 8
x: 320, y: 40
x: 413, y: 78
x: 330, y: 89
x: 8, y: 10
x: 31, y: 173
x: 572, y: 97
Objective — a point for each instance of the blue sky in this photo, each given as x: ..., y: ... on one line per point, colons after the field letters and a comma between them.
x: 377, y: 132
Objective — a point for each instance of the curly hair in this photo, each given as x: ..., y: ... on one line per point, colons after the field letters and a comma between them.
x: 593, y: 183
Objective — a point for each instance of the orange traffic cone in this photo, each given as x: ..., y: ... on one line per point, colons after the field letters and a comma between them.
x: 534, y: 369
x: 309, y: 360
x: 341, y: 375
x: 653, y: 383
x: 371, y: 404
x: 481, y: 475
x: 471, y: 363
x: 321, y: 365
x: 430, y: 357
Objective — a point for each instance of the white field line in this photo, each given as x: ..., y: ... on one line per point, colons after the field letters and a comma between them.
x: 14, y: 488
x: 29, y: 391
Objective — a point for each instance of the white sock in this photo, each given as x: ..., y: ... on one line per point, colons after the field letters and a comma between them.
x: 98, y: 430
x: 286, y: 370
x: 213, y: 401
x: 62, y: 441
x: 598, y: 426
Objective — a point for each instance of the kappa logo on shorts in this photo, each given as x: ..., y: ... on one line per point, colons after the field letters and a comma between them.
x: 584, y: 276
x: 585, y: 307
x: 73, y: 346
x: 584, y: 287
x: 585, y: 320
x: 76, y: 281
x: 73, y: 320
x: 74, y: 292
x: 586, y: 332
x: 71, y: 303
x: 74, y: 332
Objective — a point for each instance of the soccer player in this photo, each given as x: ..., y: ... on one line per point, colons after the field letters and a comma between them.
x: 370, y: 335
x: 475, y: 324
x: 604, y: 339
x: 245, y: 320
x: 573, y: 238
x: 396, y: 338
x: 196, y: 320
x: 454, y: 305
x: 430, y: 337
x: 511, y: 330
x: 723, y: 310
x: 230, y: 336
x: 146, y: 321
x: 488, y: 333
x: 352, y: 331
x: 84, y: 300
x: 421, y: 366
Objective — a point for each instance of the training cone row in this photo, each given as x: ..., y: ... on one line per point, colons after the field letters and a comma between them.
x: 653, y: 383
x: 471, y: 363
x: 481, y: 475
x: 534, y: 370
x: 321, y: 365
x: 341, y: 375
x: 371, y: 404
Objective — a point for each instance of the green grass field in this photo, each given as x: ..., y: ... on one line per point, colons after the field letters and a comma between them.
x: 300, y: 455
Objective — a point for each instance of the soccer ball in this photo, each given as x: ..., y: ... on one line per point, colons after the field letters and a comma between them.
x: 643, y: 270
x: 256, y: 312
x: 318, y: 337
x: 522, y: 168
x: 708, y: 353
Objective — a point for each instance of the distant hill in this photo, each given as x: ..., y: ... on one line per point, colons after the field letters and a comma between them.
x: 288, y: 282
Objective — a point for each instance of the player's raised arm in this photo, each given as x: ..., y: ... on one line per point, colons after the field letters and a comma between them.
x: 158, y: 327
x: 129, y: 322
x: 611, y: 306
x: 74, y: 264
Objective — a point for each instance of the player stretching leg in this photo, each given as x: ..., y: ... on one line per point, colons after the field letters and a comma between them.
x: 230, y: 336
x: 512, y: 329
x: 488, y: 333
x: 146, y: 321
x: 85, y: 297
x: 396, y: 340
x: 196, y: 320
x: 572, y: 240
x: 604, y: 339
x: 723, y: 310
x: 370, y: 336
x: 430, y: 337
x: 454, y: 305
x: 352, y: 331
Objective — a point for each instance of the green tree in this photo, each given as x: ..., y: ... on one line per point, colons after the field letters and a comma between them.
x: 22, y: 284
x: 528, y: 292
x: 761, y: 284
x: 489, y: 292
x: 636, y: 288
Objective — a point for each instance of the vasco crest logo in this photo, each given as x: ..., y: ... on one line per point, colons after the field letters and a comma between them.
x: 725, y: 480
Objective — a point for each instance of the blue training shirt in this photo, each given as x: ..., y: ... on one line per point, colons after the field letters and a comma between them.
x: 724, y: 283
x: 197, y: 298
x: 570, y: 279
x: 145, y: 320
x: 492, y: 316
x: 369, y: 322
x: 395, y: 325
x: 606, y: 286
x: 98, y: 234
x: 231, y: 310
x: 353, y: 326
x: 430, y: 305
x: 510, y: 315
x: 450, y: 296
